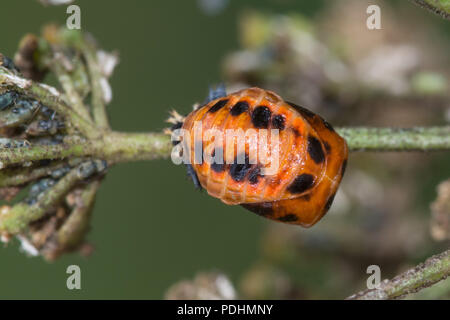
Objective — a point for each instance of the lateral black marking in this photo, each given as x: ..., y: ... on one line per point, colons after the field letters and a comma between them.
x: 238, y: 171
x: 239, y: 108
x: 301, y: 183
x: 278, y: 122
x: 288, y: 218
x: 315, y: 150
x: 218, y: 105
x: 263, y: 209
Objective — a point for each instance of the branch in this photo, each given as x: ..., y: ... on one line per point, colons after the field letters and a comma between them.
x: 98, y: 94
x: 397, y: 139
x: 439, y: 7
x: 67, y: 81
x: 127, y: 147
x: 424, y: 275
x: 48, y: 96
x: 14, y: 220
x: 115, y: 147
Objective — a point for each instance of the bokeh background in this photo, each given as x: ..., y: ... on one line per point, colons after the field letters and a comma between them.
x: 151, y: 229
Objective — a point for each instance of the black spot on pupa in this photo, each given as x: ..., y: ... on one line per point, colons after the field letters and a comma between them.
x: 176, y: 126
x: 218, y: 105
x: 261, y: 116
x: 301, y: 183
x: 329, y: 202
x: 239, y: 108
x: 238, y: 171
x: 302, y: 111
x: 327, y: 147
x: 288, y: 218
x: 328, y: 125
x: 315, y: 149
x: 217, y: 167
x: 278, y: 121
x: 262, y: 209
x: 295, y: 131
x: 344, y: 167
x: 254, y: 175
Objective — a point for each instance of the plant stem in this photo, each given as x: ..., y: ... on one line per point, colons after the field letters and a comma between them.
x: 48, y: 96
x: 114, y: 147
x: 397, y: 139
x: 125, y: 147
x: 68, y: 85
x: 22, y: 175
x: 440, y: 7
x: 424, y: 275
x: 20, y: 215
x: 98, y: 103
x: 76, y: 226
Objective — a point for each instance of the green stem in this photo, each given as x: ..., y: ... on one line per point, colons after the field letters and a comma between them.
x: 50, y: 97
x: 397, y: 139
x: 114, y: 147
x: 68, y: 85
x: 126, y: 147
x: 439, y: 7
x: 73, y: 230
x: 23, y: 175
x: 424, y: 275
x: 98, y: 104
x: 20, y: 215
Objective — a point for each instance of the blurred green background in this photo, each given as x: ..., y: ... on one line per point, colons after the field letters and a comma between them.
x: 150, y: 227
